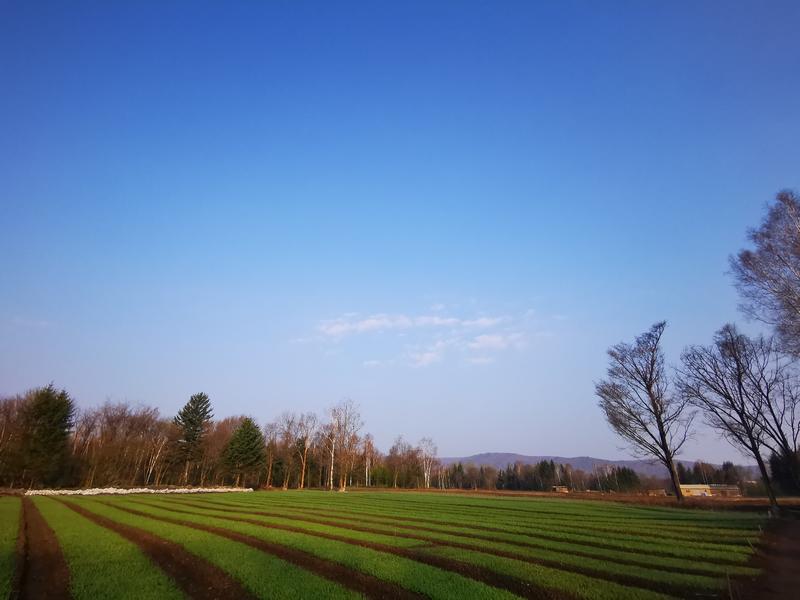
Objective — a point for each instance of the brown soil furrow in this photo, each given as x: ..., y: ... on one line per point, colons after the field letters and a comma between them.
x: 196, y: 577
x: 645, y: 561
x: 42, y: 571
x: 369, y: 586
x: 778, y: 561
x: 515, y: 585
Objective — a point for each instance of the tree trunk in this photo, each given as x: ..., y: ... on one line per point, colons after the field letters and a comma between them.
x: 673, y: 475
x: 773, y: 501
x: 330, y: 480
x: 303, y: 469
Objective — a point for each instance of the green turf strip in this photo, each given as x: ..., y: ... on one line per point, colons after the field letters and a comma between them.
x: 264, y: 575
x: 103, y: 564
x: 412, y: 575
x: 570, y: 562
x: 623, y: 538
x: 626, y: 549
x: 566, y: 555
x: 10, y: 510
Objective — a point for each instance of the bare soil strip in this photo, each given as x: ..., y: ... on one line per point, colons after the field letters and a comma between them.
x: 41, y: 570
x: 370, y: 586
x: 197, y: 578
x: 515, y: 585
x: 779, y: 558
x: 335, y: 520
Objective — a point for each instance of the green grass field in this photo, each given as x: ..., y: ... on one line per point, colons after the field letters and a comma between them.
x: 314, y: 544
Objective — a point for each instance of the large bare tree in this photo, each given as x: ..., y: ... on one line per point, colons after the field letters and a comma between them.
x: 746, y: 391
x: 639, y: 405
x: 768, y: 276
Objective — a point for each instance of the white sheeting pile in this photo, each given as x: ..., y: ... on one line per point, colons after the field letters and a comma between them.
x: 124, y: 491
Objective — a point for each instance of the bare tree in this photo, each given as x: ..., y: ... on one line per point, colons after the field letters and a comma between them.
x: 271, y: 433
x: 287, y: 424
x: 639, y: 405
x: 306, y: 428
x: 368, y: 445
x: 741, y: 386
x: 330, y: 435
x: 347, y: 423
x: 427, y: 456
x: 768, y: 276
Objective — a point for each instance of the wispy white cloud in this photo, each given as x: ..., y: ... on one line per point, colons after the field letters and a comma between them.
x: 430, y: 355
x: 442, y: 333
x: 352, y: 324
x: 498, y: 341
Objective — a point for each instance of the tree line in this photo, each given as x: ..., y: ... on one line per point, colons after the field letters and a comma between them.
x: 45, y: 440
x: 747, y: 388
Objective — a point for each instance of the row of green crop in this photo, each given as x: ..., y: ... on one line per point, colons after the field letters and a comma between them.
x: 626, y: 546
x: 626, y: 532
x: 519, y: 544
x: 560, y: 556
x: 411, y: 574
x: 10, y: 510
x: 103, y: 564
x: 721, y: 537
x: 367, y: 540
x: 712, y: 524
x: 588, y: 508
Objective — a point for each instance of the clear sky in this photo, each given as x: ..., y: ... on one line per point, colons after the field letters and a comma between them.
x: 446, y: 211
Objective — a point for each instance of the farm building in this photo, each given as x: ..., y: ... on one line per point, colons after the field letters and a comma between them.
x: 561, y: 489
x: 710, y: 489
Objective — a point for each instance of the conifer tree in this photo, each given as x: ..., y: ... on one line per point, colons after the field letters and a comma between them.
x: 193, y: 420
x: 47, y: 418
x: 245, y: 453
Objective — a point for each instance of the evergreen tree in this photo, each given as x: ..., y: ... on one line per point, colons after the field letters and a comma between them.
x: 245, y: 453
x: 47, y: 418
x: 193, y: 421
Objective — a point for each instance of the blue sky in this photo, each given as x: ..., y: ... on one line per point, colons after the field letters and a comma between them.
x: 444, y: 211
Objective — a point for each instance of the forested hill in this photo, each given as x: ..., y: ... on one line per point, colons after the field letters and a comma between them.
x: 500, y: 460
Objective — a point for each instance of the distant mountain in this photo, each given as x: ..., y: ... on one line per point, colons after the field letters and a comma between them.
x: 500, y: 460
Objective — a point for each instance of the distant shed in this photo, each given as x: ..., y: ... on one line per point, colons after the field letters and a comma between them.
x: 560, y: 489
x: 710, y: 489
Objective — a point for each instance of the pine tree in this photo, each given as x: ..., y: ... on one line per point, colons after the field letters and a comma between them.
x: 245, y: 453
x: 193, y: 420
x: 47, y: 417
